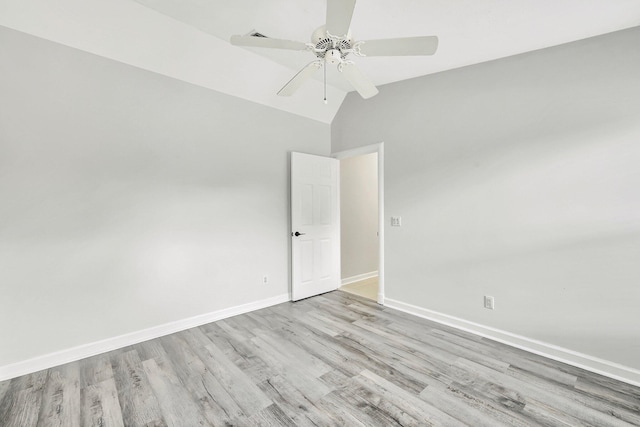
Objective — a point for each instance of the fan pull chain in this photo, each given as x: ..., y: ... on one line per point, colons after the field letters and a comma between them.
x: 324, y: 66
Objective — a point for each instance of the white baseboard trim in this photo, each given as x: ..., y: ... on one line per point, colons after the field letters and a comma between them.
x: 87, y: 350
x: 358, y: 277
x: 551, y: 351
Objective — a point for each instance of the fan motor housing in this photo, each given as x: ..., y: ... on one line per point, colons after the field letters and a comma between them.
x: 325, y: 47
x: 333, y: 56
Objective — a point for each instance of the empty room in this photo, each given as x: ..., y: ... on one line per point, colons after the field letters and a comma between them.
x: 319, y: 213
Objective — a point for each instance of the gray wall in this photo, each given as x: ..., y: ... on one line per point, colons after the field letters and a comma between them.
x: 359, y: 215
x: 129, y: 199
x: 520, y: 179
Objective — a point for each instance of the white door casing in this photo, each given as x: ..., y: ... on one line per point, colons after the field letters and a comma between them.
x: 315, y: 251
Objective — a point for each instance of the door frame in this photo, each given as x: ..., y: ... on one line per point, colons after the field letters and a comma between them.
x: 369, y: 149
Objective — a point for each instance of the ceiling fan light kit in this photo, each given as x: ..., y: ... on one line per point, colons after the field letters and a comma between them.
x: 332, y: 44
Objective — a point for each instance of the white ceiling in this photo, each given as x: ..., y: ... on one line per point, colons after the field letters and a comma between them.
x: 188, y: 39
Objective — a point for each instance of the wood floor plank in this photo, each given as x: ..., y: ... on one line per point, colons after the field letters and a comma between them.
x: 555, y: 372
x: 385, y: 406
x: 240, y: 387
x: 364, y: 409
x: 96, y: 369
x: 138, y: 403
x: 9, y: 399
x: 271, y: 416
x: 607, y: 392
x: 61, y: 397
x: 22, y: 399
x: 4, y: 386
x: 307, y: 382
x: 502, y: 403
x: 543, y: 397
x: 346, y: 298
x: 100, y: 406
x: 195, y: 338
x: 610, y: 388
x: 302, y: 411
x: 570, y: 393
x: 35, y: 381
x: 218, y: 336
x: 313, y: 365
x: 363, y: 350
x: 245, y: 356
x: 416, y: 364
x: 298, y: 316
x: 409, y: 402
x: 344, y: 414
x: 379, y: 366
x: 464, y: 407
x: 429, y: 347
x: 343, y: 361
x: 24, y: 412
x: 176, y: 405
x: 218, y: 405
x: 492, y: 350
x: 328, y: 306
x: 335, y: 379
x: 233, y: 330
x: 213, y: 399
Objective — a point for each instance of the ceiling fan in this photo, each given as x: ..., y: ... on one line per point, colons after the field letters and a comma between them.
x: 332, y: 44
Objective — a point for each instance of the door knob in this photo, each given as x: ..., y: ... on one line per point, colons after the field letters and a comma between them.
x: 297, y: 233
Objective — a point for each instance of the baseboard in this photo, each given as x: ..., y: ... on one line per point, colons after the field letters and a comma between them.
x: 87, y: 350
x: 358, y: 277
x: 574, y: 358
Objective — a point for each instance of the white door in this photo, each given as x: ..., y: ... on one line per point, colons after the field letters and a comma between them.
x: 315, y: 232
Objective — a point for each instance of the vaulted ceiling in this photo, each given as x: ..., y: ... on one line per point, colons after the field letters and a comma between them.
x: 189, y: 39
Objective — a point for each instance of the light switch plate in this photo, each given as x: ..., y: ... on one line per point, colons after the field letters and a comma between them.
x: 396, y: 221
x: 489, y: 302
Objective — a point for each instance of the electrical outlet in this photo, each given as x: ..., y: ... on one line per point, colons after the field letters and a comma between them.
x: 489, y: 302
x: 265, y: 280
x: 396, y: 221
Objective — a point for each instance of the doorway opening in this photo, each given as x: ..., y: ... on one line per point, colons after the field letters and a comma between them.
x: 361, y: 221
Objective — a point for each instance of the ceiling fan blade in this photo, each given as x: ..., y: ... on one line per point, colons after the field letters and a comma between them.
x: 339, y: 13
x: 359, y: 81
x: 253, y: 41
x: 294, y: 84
x: 406, y: 46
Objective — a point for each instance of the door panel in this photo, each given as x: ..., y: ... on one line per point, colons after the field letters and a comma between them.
x: 324, y: 205
x: 315, y: 215
x: 307, y: 205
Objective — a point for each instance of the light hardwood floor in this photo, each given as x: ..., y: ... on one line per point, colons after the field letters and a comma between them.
x: 335, y: 359
x: 367, y: 288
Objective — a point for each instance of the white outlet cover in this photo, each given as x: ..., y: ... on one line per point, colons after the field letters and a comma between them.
x: 396, y: 221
